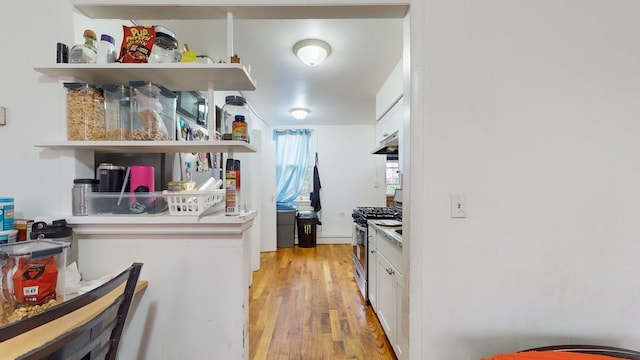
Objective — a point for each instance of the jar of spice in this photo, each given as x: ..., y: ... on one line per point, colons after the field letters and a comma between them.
x: 239, y: 131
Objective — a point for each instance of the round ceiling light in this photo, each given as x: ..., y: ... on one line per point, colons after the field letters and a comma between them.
x: 299, y: 113
x: 312, y: 51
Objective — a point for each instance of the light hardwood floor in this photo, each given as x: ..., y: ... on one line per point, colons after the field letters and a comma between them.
x: 305, y: 305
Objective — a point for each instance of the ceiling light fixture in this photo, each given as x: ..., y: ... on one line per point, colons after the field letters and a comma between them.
x: 299, y: 113
x: 312, y: 51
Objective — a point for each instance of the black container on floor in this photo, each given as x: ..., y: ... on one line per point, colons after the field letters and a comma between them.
x: 307, y: 224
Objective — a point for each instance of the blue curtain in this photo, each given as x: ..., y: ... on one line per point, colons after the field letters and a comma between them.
x: 292, y: 160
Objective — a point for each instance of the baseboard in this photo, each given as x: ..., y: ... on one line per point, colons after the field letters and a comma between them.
x: 330, y: 240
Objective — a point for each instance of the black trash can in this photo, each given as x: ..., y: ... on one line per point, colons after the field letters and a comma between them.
x: 307, y: 223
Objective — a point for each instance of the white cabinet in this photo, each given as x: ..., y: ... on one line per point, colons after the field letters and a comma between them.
x: 398, y: 345
x: 390, y: 122
x: 386, y: 297
x: 372, y: 279
x: 386, y: 282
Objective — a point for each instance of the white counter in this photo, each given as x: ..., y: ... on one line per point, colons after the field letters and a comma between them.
x: 198, y: 271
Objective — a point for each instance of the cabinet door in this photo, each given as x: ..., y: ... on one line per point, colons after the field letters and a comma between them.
x: 386, y: 297
x: 390, y: 122
x: 399, y: 342
x: 372, y: 260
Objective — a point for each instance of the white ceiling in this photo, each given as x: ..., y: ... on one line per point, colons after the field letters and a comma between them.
x: 366, y: 45
x: 339, y: 91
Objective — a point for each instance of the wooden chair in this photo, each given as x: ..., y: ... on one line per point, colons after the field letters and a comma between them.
x: 610, y: 351
x: 94, y: 322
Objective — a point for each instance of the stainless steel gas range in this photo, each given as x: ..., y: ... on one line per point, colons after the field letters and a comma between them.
x: 360, y: 255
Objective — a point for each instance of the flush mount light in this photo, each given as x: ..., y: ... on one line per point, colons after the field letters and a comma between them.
x: 312, y: 51
x: 299, y: 113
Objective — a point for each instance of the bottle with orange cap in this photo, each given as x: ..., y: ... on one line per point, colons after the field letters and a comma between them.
x: 86, y: 52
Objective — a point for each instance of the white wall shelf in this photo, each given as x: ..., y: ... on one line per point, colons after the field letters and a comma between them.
x: 174, y: 76
x: 228, y: 146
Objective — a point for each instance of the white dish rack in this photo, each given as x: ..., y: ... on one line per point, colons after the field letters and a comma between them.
x: 194, y: 203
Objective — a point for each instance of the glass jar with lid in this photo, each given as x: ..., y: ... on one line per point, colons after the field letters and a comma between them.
x: 165, y: 45
x: 234, y: 106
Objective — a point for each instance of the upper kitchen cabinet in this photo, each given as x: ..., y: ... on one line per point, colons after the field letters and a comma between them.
x: 389, y: 105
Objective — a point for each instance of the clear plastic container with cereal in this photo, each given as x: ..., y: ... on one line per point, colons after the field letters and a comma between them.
x: 117, y: 112
x: 85, y: 112
x: 153, y: 112
x: 32, y: 277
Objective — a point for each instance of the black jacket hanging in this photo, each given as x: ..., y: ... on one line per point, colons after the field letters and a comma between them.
x: 315, y: 195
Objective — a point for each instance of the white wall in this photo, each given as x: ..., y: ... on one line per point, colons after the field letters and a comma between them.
x: 40, y: 180
x: 531, y: 109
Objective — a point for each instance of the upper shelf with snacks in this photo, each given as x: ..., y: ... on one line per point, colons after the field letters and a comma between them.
x: 175, y: 76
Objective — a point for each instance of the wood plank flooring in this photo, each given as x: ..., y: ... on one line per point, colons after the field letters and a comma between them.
x: 305, y: 305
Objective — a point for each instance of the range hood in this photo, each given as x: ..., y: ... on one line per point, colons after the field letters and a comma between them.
x: 388, y: 146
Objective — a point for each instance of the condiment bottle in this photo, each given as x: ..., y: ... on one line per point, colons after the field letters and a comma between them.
x: 239, y: 131
x: 87, y: 52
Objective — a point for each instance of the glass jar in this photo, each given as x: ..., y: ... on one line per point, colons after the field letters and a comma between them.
x: 165, y: 46
x: 117, y: 105
x: 234, y: 105
x: 85, y: 112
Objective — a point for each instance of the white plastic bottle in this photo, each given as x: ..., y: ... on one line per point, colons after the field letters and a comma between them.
x: 106, y: 50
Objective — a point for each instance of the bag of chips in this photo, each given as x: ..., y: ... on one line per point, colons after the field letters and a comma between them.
x: 35, y: 280
x: 137, y: 42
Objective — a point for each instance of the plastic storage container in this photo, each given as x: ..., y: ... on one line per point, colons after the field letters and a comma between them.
x: 85, y: 112
x: 307, y: 223
x: 9, y: 236
x: 117, y: 105
x: 153, y: 112
x: 165, y: 46
x: 234, y: 106
x: 33, y: 273
x: 57, y: 231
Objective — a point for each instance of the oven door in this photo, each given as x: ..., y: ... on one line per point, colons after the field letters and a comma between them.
x: 359, y: 258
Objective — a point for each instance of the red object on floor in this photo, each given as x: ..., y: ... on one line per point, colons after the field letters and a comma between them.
x: 548, y: 355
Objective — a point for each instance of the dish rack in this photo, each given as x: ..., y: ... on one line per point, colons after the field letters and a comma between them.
x: 193, y: 203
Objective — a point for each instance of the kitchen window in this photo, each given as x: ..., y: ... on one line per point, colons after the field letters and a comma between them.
x: 392, y: 174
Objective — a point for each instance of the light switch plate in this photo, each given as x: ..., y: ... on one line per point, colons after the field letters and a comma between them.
x: 458, y: 205
x: 3, y: 115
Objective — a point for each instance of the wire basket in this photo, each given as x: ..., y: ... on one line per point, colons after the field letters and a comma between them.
x: 193, y: 203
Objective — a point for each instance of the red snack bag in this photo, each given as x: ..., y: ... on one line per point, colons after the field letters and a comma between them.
x: 137, y: 43
x: 35, y: 280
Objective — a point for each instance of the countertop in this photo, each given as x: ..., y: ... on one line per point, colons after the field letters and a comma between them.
x: 388, y: 231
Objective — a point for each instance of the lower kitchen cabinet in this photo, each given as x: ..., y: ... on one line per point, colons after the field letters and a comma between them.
x: 398, y: 344
x: 386, y: 298
x: 372, y: 278
x: 386, y: 285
